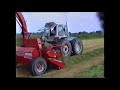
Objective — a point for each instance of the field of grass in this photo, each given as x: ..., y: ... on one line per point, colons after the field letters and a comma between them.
x: 89, y: 64
x: 81, y: 36
x: 88, y: 36
x: 93, y: 72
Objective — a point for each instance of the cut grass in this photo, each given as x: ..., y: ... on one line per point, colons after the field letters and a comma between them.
x: 72, y: 61
x: 81, y: 67
x: 96, y: 71
x: 70, y: 64
x: 86, y: 56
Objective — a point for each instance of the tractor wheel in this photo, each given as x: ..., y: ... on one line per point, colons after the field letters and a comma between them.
x: 77, y: 47
x: 38, y: 66
x: 66, y: 49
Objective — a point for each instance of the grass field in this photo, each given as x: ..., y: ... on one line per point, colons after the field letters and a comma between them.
x: 88, y: 65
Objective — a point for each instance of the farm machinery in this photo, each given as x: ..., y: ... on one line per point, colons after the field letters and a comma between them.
x: 57, y: 34
x: 54, y: 44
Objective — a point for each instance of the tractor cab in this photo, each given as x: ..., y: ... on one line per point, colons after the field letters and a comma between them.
x: 53, y: 32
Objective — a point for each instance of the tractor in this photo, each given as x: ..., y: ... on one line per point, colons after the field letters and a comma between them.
x: 57, y: 34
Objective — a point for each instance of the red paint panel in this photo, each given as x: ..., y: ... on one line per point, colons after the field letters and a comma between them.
x: 34, y: 43
x: 53, y: 54
x: 22, y: 60
x: 25, y: 55
x: 56, y: 62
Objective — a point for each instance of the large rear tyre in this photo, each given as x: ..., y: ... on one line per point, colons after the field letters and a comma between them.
x: 38, y: 66
x: 77, y: 47
x: 66, y: 49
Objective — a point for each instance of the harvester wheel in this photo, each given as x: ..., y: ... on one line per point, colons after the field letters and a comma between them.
x: 67, y: 48
x: 38, y: 66
x: 77, y: 47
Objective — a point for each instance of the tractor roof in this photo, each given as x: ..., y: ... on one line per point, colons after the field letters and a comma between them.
x: 50, y: 24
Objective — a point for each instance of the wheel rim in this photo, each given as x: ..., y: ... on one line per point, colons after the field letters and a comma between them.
x: 39, y: 67
x: 65, y: 49
x: 77, y: 47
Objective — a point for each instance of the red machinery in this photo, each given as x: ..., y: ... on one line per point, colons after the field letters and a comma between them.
x: 31, y: 52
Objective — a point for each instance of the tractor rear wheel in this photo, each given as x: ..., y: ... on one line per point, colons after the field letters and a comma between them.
x: 77, y: 47
x: 67, y: 48
x: 38, y: 66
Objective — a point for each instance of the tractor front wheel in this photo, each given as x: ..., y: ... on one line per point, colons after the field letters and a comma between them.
x: 38, y: 66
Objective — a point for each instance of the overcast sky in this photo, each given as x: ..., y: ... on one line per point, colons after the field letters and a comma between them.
x: 77, y: 21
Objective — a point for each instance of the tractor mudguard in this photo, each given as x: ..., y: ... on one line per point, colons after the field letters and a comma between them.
x: 71, y: 39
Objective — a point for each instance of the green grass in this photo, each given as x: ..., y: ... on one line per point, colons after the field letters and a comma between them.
x: 97, y: 71
x: 18, y: 41
x: 70, y: 61
x: 82, y: 37
x: 93, y: 40
x: 73, y: 61
x: 89, y: 36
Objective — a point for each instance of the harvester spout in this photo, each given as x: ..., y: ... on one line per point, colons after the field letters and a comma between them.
x: 22, y: 23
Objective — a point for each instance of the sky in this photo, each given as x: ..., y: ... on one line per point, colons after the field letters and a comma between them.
x: 77, y: 21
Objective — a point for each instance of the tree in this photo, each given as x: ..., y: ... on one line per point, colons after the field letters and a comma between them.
x: 99, y: 32
x: 84, y: 32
